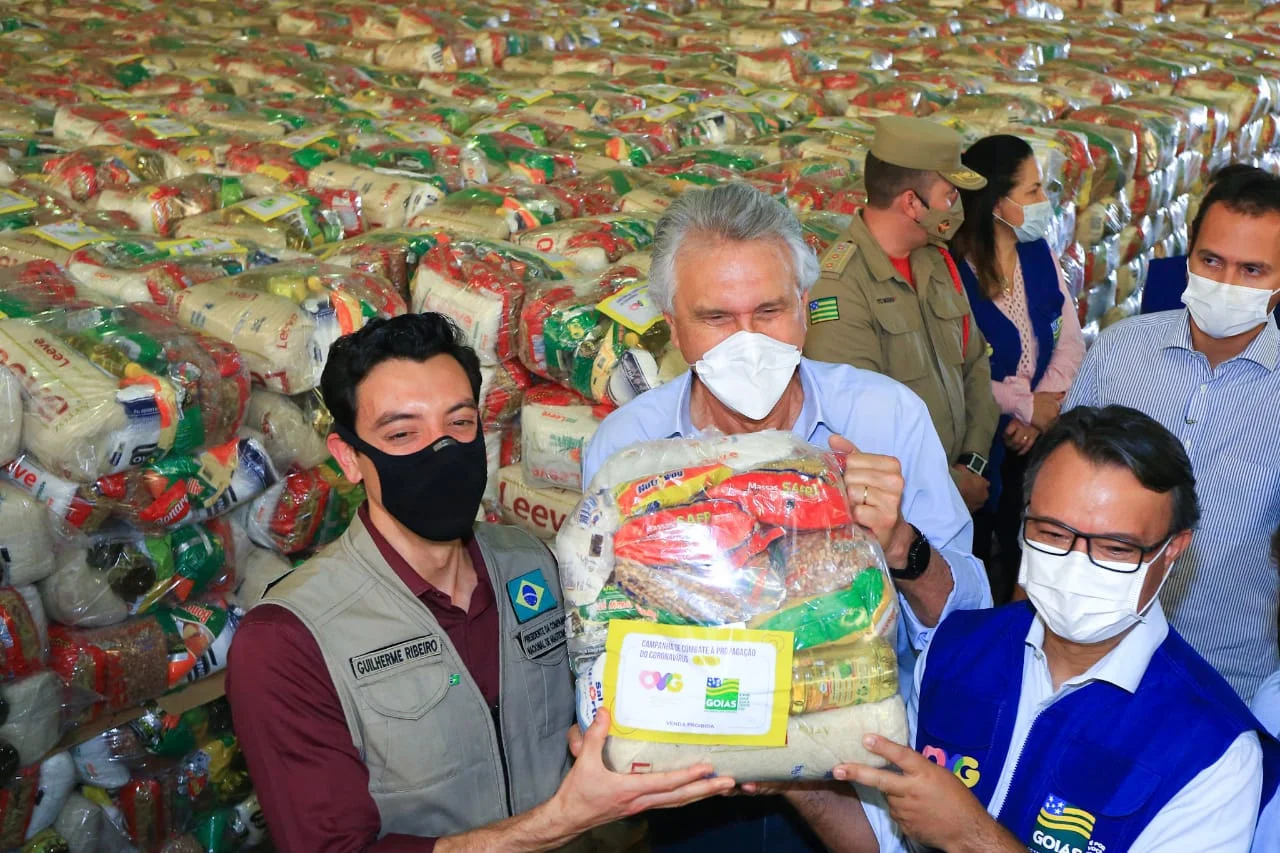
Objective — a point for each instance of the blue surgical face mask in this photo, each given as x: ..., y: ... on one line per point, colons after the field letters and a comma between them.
x: 1036, y: 220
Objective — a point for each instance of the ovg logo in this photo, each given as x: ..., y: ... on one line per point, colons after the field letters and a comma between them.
x: 722, y: 694
x: 530, y: 596
x: 964, y: 767
x: 1063, y: 828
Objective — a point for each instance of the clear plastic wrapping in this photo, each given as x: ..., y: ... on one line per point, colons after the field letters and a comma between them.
x: 284, y: 318
x: 749, y: 531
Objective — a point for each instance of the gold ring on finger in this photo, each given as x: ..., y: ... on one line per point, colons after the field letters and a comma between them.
x: 865, y: 491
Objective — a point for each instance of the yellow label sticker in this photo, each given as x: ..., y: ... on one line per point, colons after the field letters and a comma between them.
x: 272, y: 207
x: 69, y: 235
x: 427, y: 133
x: 686, y: 684
x: 631, y: 307
x: 11, y: 202
x: 167, y: 128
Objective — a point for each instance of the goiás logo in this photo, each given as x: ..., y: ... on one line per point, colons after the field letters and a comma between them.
x: 669, y: 682
x: 1063, y: 828
x: 723, y: 694
x: 964, y: 767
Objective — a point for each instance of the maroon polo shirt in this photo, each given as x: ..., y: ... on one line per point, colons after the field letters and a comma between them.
x: 313, y: 787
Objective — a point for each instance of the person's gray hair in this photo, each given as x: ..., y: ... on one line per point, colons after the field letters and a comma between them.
x: 734, y: 211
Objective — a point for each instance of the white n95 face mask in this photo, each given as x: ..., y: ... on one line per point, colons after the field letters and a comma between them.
x: 1082, y: 602
x: 1224, y: 310
x: 748, y: 372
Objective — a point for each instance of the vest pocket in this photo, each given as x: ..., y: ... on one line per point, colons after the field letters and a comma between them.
x: 405, y: 749
x: 407, y: 694
x: 1102, y: 781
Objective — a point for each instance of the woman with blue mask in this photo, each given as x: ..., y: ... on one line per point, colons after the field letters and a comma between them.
x: 1021, y: 303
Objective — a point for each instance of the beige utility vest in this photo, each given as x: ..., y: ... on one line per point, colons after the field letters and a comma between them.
x: 416, y: 716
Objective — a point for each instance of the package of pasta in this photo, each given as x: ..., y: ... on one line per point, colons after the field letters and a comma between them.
x: 285, y: 221
x: 157, y: 208
x: 307, y: 509
x: 284, y: 318
x: 726, y: 577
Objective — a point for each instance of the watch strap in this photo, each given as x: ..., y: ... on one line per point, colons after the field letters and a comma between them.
x: 917, y: 558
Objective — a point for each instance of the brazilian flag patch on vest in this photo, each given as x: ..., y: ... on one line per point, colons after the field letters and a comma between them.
x: 824, y: 309
x: 530, y: 596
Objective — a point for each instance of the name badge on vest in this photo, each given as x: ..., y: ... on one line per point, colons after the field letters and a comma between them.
x: 543, y: 636
x: 389, y: 657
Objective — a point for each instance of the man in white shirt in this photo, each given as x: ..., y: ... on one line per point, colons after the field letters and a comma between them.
x: 1077, y: 722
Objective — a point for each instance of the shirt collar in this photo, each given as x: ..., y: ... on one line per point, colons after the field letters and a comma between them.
x: 1264, y: 351
x: 1124, y: 665
x: 878, y: 262
x: 807, y: 422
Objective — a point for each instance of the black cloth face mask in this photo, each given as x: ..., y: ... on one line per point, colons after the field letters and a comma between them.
x: 434, y: 492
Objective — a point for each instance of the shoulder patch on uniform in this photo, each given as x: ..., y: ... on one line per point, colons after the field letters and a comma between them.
x: 530, y: 596
x: 824, y: 309
x: 837, y: 258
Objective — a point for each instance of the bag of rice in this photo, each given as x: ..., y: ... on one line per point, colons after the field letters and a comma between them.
x: 78, y: 420
x: 676, y: 545
x: 552, y: 439
x: 293, y: 428
x: 284, y: 318
x: 157, y: 208
x: 541, y: 510
x: 34, y: 721
x: 389, y: 201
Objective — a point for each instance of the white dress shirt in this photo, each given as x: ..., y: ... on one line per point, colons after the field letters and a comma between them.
x: 1266, y: 707
x: 1215, y: 813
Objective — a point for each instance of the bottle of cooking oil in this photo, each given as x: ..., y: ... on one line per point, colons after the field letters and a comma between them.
x: 841, y: 675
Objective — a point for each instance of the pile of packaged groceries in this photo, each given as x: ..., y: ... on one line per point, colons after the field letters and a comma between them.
x: 197, y: 199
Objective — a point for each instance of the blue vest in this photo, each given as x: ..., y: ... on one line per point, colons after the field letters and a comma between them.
x: 1098, y: 764
x: 1044, y: 305
x: 1166, y: 279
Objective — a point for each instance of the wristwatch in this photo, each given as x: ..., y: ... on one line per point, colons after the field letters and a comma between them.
x: 975, y: 462
x: 917, y: 558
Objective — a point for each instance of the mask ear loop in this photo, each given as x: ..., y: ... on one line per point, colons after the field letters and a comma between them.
x: 1156, y: 595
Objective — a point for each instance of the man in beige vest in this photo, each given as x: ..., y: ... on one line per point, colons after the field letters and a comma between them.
x: 408, y: 688
x: 889, y: 299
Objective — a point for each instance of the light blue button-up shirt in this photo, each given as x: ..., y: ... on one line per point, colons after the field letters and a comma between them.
x: 1224, y: 591
x: 879, y: 416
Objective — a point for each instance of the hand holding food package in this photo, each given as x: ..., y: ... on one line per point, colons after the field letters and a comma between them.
x: 724, y: 607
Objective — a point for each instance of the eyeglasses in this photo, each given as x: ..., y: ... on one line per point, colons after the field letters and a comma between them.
x: 1105, y: 552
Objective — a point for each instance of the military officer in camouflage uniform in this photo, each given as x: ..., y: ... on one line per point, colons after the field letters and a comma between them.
x: 889, y: 297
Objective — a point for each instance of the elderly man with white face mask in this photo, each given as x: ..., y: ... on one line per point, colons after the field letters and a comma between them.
x: 731, y: 272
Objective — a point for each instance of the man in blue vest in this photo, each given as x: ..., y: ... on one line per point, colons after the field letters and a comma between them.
x: 1077, y: 722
